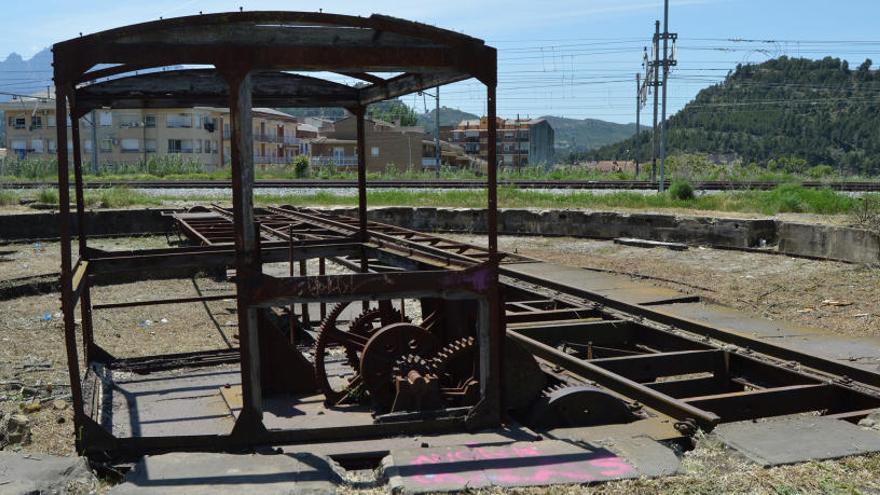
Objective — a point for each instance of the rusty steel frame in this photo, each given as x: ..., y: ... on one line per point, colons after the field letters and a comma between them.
x: 730, y: 385
x: 250, y: 52
x: 715, y: 384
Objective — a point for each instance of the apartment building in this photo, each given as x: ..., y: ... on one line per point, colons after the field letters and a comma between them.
x: 387, y: 145
x: 519, y: 142
x: 116, y: 137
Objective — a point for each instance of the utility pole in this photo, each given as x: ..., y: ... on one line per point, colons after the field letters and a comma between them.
x: 437, y: 128
x: 94, y: 141
x: 638, y: 123
x: 655, y: 84
x: 665, y: 81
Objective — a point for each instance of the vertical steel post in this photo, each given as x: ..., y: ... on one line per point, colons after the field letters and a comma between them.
x: 67, y: 302
x: 665, y: 81
x: 247, y: 264
x: 437, y: 150
x: 362, y: 190
x: 362, y: 173
x: 303, y: 272
x: 496, y: 328
x: 322, y: 271
x: 291, y: 318
x: 94, y: 140
x: 638, y: 124
x: 492, y: 173
x: 85, y: 299
x: 655, y: 84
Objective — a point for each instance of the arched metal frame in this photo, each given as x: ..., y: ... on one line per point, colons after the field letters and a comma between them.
x: 249, y: 52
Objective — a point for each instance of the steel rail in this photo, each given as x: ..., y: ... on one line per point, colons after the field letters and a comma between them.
x: 846, y: 186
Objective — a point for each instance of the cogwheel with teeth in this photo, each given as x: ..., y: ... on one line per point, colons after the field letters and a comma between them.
x: 413, y: 362
x: 455, y: 365
x: 366, y: 324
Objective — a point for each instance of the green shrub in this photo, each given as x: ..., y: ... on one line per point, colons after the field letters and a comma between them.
x: 48, y: 196
x: 8, y: 198
x: 301, y: 166
x: 681, y: 190
x: 820, y: 171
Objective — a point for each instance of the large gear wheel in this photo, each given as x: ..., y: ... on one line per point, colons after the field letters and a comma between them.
x: 368, y: 323
x: 382, y: 352
x: 454, y: 362
x: 328, y: 336
x: 456, y: 366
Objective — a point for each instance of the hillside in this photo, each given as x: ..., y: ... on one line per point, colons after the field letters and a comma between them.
x: 816, y: 111
x: 587, y: 134
x: 448, y: 116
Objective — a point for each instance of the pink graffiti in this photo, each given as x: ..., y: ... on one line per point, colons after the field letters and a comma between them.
x: 574, y: 471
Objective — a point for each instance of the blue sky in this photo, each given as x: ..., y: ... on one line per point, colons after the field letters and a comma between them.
x: 574, y: 58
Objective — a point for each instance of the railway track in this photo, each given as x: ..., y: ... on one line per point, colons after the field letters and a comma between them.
x: 849, y: 186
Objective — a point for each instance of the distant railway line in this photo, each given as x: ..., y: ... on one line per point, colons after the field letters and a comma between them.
x: 851, y: 186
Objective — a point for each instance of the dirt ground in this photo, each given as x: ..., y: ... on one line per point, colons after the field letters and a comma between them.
x: 33, y: 362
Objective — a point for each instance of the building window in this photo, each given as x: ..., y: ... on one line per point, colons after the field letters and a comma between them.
x: 374, y: 151
x: 129, y: 120
x: 180, y: 146
x: 198, y: 146
x: 37, y: 145
x: 105, y: 118
x: 20, y: 146
x: 51, y: 121
x: 150, y: 121
x: 214, y: 148
x: 174, y: 121
x: 36, y: 122
x: 88, y: 145
x: 51, y: 144
x: 106, y: 145
x: 150, y: 145
x: 207, y: 145
x: 130, y: 145
x: 17, y: 122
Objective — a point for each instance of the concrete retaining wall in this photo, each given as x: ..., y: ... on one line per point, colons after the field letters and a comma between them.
x: 39, y: 226
x: 795, y: 239
x: 825, y: 241
x: 725, y: 232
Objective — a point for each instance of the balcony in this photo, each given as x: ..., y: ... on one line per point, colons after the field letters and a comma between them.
x: 338, y: 161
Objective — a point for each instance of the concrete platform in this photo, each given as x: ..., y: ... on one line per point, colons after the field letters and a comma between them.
x: 218, y: 474
x: 43, y: 473
x: 797, y: 439
x: 168, y: 403
x: 521, y: 464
